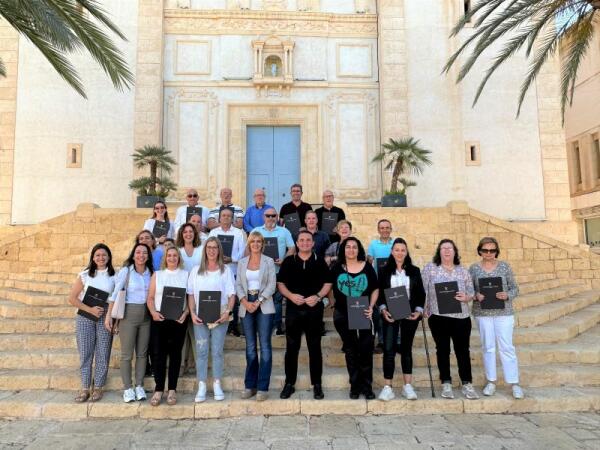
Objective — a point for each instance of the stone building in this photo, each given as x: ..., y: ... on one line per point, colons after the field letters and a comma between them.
x: 263, y: 93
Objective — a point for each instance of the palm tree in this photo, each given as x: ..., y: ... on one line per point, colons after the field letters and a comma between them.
x: 156, y: 158
x: 539, y: 26
x: 61, y: 27
x: 404, y: 156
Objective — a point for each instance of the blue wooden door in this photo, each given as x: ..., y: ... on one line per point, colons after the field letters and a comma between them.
x: 273, y: 162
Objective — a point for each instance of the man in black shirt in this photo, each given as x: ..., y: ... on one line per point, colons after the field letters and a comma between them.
x: 296, y: 205
x: 328, y: 207
x: 304, y: 279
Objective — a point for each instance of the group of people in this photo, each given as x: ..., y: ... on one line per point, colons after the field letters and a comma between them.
x: 221, y: 253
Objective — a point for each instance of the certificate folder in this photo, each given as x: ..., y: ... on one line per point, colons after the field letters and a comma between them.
x: 292, y: 223
x: 380, y: 263
x: 209, y: 306
x: 271, y: 248
x: 445, y: 293
x: 330, y: 220
x: 172, y: 303
x: 356, y: 313
x: 397, y: 302
x: 193, y: 211
x: 160, y: 229
x: 226, y: 243
x: 489, y: 287
x: 93, y: 297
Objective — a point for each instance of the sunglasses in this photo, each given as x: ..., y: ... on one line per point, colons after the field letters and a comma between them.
x: 159, y: 207
x: 192, y: 196
x: 270, y: 216
x: 489, y: 250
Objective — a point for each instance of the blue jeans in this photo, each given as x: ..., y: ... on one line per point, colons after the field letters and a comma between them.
x: 278, y: 301
x: 215, y: 340
x: 258, y: 372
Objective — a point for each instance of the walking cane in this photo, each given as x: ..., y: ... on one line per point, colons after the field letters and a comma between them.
x: 428, y: 361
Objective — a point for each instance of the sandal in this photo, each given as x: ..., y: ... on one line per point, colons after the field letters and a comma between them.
x: 97, y: 395
x: 172, y: 398
x: 82, y: 396
x: 156, y: 398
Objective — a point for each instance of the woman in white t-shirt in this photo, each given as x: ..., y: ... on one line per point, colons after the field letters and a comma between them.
x: 188, y: 243
x: 161, y: 216
x: 210, y: 275
x: 167, y: 335
x: 94, y: 341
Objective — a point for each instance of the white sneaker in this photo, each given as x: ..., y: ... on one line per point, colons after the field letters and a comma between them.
x: 219, y: 394
x: 469, y: 392
x: 201, y: 394
x: 447, y: 390
x: 408, y: 392
x: 140, y: 393
x: 518, y: 392
x: 387, y: 394
x: 489, y: 389
x: 129, y: 395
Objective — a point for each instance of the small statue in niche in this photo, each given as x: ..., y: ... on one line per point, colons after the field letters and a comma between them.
x: 273, y: 69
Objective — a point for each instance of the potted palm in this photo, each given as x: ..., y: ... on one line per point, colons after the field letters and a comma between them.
x: 403, y: 156
x: 153, y: 188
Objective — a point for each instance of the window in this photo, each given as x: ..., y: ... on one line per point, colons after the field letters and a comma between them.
x: 576, y: 165
x: 472, y: 153
x: 74, y: 156
x: 592, y: 231
x: 596, y: 151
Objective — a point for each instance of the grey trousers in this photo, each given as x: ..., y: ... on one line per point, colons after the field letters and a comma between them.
x: 134, y: 331
x: 94, y: 342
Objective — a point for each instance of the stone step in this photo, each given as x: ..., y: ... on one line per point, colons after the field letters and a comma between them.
x: 538, y: 315
x: 61, y: 277
x: 533, y: 299
x: 60, y: 405
x: 33, y: 298
x: 13, y: 310
x: 44, y: 287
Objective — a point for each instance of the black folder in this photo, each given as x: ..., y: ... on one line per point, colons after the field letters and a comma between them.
x: 271, y: 248
x: 173, y: 302
x: 209, y: 306
x: 380, y: 263
x: 445, y: 293
x: 292, y: 223
x: 160, y: 229
x: 93, y: 297
x: 398, y: 303
x: 489, y: 287
x: 192, y: 211
x: 226, y: 243
x: 356, y: 313
x: 329, y: 222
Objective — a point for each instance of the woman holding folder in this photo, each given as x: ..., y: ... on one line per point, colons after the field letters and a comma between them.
x: 211, y: 295
x: 449, y: 290
x: 493, y: 311
x: 167, y: 303
x: 354, y: 278
x: 399, y: 272
x: 94, y: 341
x: 159, y: 224
x: 255, y: 286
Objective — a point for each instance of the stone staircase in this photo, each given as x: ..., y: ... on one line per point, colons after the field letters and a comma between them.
x: 557, y: 338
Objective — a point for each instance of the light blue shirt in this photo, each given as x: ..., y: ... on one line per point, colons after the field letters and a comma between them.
x: 284, y: 239
x: 378, y: 249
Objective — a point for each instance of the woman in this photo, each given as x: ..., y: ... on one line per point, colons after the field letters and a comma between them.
x: 496, y: 325
x: 94, y: 342
x: 255, y: 286
x: 188, y: 242
x: 210, y: 275
x: 160, y: 214
x: 134, y: 328
x: 343, y: 230
x: 455, y: 327
x: 400, y: 271
x: 354, y: 277
x: 146, y: 237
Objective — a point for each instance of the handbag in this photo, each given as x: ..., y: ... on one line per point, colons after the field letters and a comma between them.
x: 118, y: 309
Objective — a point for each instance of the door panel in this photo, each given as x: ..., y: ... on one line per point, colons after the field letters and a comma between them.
x: 286, y: 148
x: 259, y: 156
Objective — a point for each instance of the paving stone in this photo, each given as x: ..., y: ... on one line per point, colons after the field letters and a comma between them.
x: 344, y: 443
x: 25, y: 431
x: 301, y: 444
x: 386, y: 425
x: 162, y: 432
x: 247, y: 445
x: 91, y: 426
x: 277, y: 428
x: 244, y: 427
x: 80, y: 443
x: 333, y: 426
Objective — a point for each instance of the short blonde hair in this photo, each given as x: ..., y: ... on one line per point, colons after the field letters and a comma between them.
x: 255, y: 235
x: 163, y: 261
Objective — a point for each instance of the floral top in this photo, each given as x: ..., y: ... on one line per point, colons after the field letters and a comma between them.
x: 509, y: 285
x: 433, y: 274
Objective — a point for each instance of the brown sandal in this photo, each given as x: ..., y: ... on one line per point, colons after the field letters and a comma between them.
x: 97, y: 395
x: 172, y: 398
x: 82, y: 396
x: 156, y: 398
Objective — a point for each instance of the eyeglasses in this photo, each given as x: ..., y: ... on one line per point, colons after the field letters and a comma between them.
x: 270, y: 216
x: 209, y: 247
x: 192, y: 196
x: 159, y: 207
x: 489, y: 250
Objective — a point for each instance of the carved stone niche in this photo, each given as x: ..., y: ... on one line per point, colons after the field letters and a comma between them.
x: 273, y: 64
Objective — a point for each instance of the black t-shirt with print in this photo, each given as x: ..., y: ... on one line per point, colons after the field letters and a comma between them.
x: 347, y: 284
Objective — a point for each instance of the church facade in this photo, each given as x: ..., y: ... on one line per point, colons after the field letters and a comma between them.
x: 266, y: 93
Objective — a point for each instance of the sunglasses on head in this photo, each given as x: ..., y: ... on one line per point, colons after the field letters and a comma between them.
x: 489, y: 250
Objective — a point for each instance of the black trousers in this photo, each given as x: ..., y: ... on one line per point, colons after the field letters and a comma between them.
x: 443, y: 329
x: 407, y: 329
x: 167, y: 341
x: 358, y: 349
x: 297, y: 322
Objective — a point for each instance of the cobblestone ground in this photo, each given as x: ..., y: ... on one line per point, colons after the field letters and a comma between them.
x: 468, y: 431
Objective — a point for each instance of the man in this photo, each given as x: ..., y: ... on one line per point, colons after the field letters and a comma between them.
x: 304, y: 280
x: 196, y: 220
x: 192, y: 202
x: 286, y: 247
x: 237, y: 253
x: 296, y: 205
x: 254, y: 216
x: 320, y: 238
x: 328, y: 207
x: 238, y: 213
x: 380, y: 248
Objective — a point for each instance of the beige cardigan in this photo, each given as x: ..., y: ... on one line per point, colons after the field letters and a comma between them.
x: 268, y: 284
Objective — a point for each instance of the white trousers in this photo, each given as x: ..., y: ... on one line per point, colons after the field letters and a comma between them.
x: 498, y: 329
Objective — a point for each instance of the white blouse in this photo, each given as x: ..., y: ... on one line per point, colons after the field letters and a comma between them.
x: 211, y: 281
x: 137, y: 289
x: 400, y: 279
x: 149, y: 225
x: 101, y: 280
x: 252, y: 276
x: 173, y: 278
x: 190, y: 261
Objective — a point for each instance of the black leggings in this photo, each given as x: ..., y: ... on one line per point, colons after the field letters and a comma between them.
x: 167, y: 341
x: 407, y: 329
x: 443, y: 329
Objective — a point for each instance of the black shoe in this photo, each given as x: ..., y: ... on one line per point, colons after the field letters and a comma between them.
x: 378, y: 350
x: 369, y: 394
x: 234, y: 332
x: 318, y: 392
x: 287, y: 391
x: 279, y: 332
x: 354, y: 395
